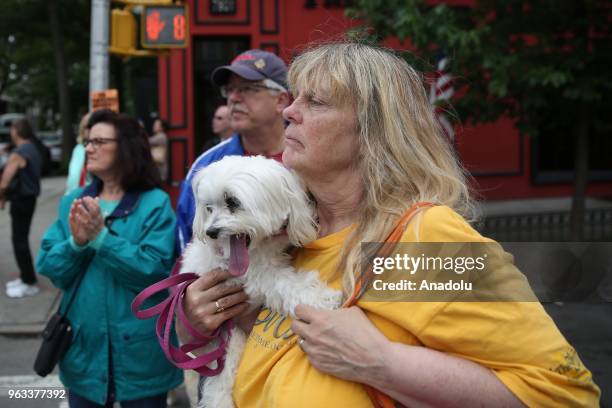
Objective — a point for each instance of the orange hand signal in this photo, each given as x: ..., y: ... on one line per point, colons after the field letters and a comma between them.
x: 154, y: 25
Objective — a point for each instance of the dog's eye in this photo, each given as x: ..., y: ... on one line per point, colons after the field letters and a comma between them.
x: 209, y: 209
x: 232, y: 203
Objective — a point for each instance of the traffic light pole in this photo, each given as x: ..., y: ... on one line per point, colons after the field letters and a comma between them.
x: 98, y: 54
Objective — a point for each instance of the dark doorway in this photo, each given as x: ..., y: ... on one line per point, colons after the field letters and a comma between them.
x: 136, y: 80
x: 209, y: 53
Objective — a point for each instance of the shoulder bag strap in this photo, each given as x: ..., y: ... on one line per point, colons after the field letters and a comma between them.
x: 72, y: 295
x: 380, y: 399
x: 388, y: 246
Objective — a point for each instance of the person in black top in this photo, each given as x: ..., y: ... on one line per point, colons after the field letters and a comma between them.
x: 20, y: 185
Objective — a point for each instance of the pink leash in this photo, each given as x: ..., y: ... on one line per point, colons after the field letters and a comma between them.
x: 166, y: 310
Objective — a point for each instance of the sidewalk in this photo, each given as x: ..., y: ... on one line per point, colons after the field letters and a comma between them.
x: 29, y: 315
x: 537, y: 205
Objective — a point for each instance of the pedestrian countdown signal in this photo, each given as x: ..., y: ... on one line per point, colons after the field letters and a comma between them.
x: 164, y: 27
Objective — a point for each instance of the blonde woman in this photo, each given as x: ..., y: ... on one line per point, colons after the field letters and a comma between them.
x: 363, y: 138
x: 77, y: 174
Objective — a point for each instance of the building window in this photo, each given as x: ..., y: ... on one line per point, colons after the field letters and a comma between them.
x: 553, y: 154
x: 222, y: 7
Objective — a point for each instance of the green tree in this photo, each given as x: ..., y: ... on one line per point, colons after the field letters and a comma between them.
x: 523, y: 59
x: 44, y: 57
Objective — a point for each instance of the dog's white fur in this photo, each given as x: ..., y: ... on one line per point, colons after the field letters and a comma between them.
x: 269, y: 199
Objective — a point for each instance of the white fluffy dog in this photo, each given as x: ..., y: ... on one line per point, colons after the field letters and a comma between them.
x: 249, y: 211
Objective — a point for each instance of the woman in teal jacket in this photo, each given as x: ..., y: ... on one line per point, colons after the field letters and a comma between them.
x: 118, y: 235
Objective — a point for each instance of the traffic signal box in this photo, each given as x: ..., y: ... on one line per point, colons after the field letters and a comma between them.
x: 123, y: 32
x: 162, y: 27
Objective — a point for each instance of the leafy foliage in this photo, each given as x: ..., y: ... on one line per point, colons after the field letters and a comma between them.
x: 521, y: 58
x: 27, y: 64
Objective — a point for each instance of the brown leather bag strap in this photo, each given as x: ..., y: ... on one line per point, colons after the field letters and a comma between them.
x: 380, y: 399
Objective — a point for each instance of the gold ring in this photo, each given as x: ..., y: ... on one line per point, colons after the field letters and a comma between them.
x: 301, y: 342
x: 219, y: 307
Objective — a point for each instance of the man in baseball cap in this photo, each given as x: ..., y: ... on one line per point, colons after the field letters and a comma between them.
x: 253, y: 65
x: 255, y: 87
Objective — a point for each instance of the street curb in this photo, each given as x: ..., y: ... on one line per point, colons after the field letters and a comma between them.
x: 30, y: 328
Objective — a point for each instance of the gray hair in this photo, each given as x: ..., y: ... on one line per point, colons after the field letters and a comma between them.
x: 275, y: 86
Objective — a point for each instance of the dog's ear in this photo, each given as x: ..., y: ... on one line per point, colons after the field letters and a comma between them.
x: 195, y: 182
x: 301, y: 226
x: 199, y: 217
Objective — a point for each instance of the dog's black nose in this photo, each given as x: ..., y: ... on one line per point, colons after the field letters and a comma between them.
x: 213, y: 232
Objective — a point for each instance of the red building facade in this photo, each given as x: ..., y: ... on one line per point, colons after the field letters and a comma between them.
x: 504, y: 163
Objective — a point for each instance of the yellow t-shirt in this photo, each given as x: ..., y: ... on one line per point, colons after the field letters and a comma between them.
x: 518, y: 341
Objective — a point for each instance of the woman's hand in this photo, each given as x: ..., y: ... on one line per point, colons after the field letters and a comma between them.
x: 76, y: 229
x: 343, y: 342
x: 209, y: 301
x: 85, y: 220
x: 93, y: 221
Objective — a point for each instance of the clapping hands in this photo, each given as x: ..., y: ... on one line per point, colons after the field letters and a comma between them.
x: 85, y: 220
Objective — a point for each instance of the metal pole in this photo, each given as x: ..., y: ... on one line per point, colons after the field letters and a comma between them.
x: 98, y: 55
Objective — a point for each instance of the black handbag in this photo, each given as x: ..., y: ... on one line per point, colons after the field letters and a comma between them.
x: 57, y: 337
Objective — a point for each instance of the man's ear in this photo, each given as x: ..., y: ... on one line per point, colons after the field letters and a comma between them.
x: 283, y: 101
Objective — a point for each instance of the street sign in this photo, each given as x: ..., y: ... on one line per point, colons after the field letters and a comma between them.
x: 222, y: 7
x: 165, y: 27
x: 107, y: 99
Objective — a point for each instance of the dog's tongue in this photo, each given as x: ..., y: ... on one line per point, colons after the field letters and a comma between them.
x: 239, y: 255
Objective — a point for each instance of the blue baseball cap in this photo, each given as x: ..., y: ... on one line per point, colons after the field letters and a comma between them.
x: 254, y: 65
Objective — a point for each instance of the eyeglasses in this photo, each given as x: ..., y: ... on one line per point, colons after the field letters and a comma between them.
x: 98, y: 141
x: 243, y: 89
